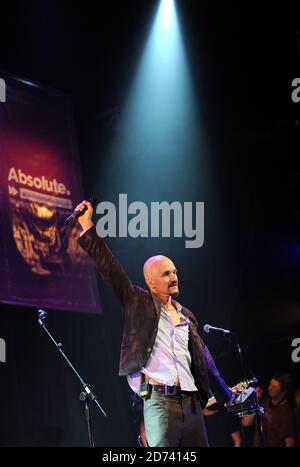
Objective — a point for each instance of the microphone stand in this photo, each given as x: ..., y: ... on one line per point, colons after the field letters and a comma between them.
x: 257, y: 409
x: 86, y: 395
x: 240, y: 354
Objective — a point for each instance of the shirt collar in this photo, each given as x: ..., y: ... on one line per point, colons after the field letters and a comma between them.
x: 158, y: 303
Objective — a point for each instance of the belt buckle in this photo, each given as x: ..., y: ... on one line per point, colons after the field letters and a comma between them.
x: 170, y: 390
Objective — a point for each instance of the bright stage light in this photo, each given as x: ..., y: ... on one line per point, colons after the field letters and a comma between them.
x: 160, y: 111
x: 160, y: 136
x: 167, y: 12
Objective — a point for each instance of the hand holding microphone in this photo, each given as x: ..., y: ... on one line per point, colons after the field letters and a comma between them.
x: 83, y: 212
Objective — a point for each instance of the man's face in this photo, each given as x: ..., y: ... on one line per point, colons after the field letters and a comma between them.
x: 274, y: 389
x: 161, y: 277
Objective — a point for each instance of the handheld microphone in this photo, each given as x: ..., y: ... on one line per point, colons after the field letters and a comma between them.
x: 77, y: 214
x: 207, y: 328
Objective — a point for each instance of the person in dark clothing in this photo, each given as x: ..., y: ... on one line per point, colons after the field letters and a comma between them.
x: 224, y: 429
x: 297, y: 417
x: 164, y: 358
x: 277, y: 420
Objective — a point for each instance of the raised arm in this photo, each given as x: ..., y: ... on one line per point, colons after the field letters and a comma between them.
x: 109, y: 268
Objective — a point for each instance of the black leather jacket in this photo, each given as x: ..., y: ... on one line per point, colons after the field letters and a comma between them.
x: 141, y: 316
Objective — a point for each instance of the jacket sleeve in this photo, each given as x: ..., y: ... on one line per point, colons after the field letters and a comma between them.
x: 217, y: 384
x: 109, y: 268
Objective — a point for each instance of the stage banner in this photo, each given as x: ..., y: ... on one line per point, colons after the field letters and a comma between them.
x: 41, y: 264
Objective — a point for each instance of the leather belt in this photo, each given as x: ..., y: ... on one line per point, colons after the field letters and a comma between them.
x: 174, y: 391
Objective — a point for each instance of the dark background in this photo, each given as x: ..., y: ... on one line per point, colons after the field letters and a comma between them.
x: 243, y: 58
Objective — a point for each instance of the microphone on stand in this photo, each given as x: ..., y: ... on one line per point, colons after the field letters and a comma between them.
x: 42, y: 316
x: 208, y: 328
x: 77, y: 214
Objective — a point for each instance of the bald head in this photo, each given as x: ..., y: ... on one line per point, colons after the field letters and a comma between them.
x: 152, y: 264
x: 161, y: 276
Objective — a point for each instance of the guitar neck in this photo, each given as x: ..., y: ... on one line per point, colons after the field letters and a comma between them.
x: 244, y: 385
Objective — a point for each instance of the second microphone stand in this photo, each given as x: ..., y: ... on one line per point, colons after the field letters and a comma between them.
x: 86, y: 395
x: 255, y: 409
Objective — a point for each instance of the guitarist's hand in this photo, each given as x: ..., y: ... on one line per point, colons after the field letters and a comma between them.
x: 236, y: 391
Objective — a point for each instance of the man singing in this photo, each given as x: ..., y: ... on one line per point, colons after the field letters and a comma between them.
x: 162, y: 354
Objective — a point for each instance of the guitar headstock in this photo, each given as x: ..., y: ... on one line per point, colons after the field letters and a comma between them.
x: 245, y: 384
x: 239, y: 388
